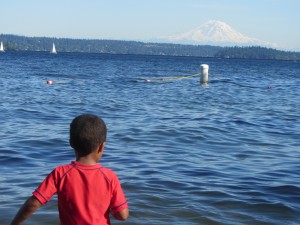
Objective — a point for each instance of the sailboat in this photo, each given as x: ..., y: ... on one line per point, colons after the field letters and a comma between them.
x: 1, y: 47
x: 53, y: 51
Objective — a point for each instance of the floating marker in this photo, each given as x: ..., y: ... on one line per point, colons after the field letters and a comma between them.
x: 204, y: 73
x: 49, y: 82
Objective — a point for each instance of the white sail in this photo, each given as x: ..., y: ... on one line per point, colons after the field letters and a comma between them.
x: 1, y: 47
x: 53, y: 51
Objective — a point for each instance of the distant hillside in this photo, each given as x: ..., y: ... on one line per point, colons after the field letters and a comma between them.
x: 22, y: 43
x: 256, y: 53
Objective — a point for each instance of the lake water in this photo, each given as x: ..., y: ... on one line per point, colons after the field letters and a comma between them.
x: 223, y: 154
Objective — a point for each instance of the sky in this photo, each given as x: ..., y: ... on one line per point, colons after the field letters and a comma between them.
x: 276, y: 21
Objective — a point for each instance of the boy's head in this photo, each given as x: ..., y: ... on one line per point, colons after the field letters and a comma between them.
x: 87, y: 132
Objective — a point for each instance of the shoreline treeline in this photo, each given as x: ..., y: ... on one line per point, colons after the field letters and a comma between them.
x: 23, y: 43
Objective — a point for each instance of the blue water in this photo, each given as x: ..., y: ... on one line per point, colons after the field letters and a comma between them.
x: 226, y: 153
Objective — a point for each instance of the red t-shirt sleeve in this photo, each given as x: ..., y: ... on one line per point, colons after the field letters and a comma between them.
x: 46, y: 189
x: 118, y: 200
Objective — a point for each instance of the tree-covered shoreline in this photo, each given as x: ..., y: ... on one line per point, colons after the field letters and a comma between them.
x: 23, y: 43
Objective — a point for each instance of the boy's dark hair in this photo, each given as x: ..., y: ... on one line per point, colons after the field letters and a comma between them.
x: 87, y: 132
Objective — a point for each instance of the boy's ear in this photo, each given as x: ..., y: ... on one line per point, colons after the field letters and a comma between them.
x: 101, y: 147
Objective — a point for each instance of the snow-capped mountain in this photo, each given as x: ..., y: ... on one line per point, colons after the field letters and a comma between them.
x: 217, y: 33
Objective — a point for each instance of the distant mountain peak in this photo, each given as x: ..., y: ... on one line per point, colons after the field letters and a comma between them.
x: 218, y: 33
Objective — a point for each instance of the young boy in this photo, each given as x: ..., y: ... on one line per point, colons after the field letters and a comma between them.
x: 87, y: 192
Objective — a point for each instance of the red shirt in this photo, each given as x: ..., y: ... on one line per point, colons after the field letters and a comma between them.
x: 86, y: 193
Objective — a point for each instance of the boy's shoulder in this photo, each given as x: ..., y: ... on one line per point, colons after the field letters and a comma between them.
x: 74, y: 165
x: 64, y: 167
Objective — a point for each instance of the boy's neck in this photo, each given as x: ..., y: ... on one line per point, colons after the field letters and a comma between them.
x: 90, y: 159
x: 86, y: 161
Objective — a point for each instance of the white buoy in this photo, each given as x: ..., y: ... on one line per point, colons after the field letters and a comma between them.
x: 204, y: 73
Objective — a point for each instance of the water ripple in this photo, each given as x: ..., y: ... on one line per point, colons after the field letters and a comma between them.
x: 227, y: 153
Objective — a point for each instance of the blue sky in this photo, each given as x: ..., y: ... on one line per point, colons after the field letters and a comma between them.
x: 269, y: 20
